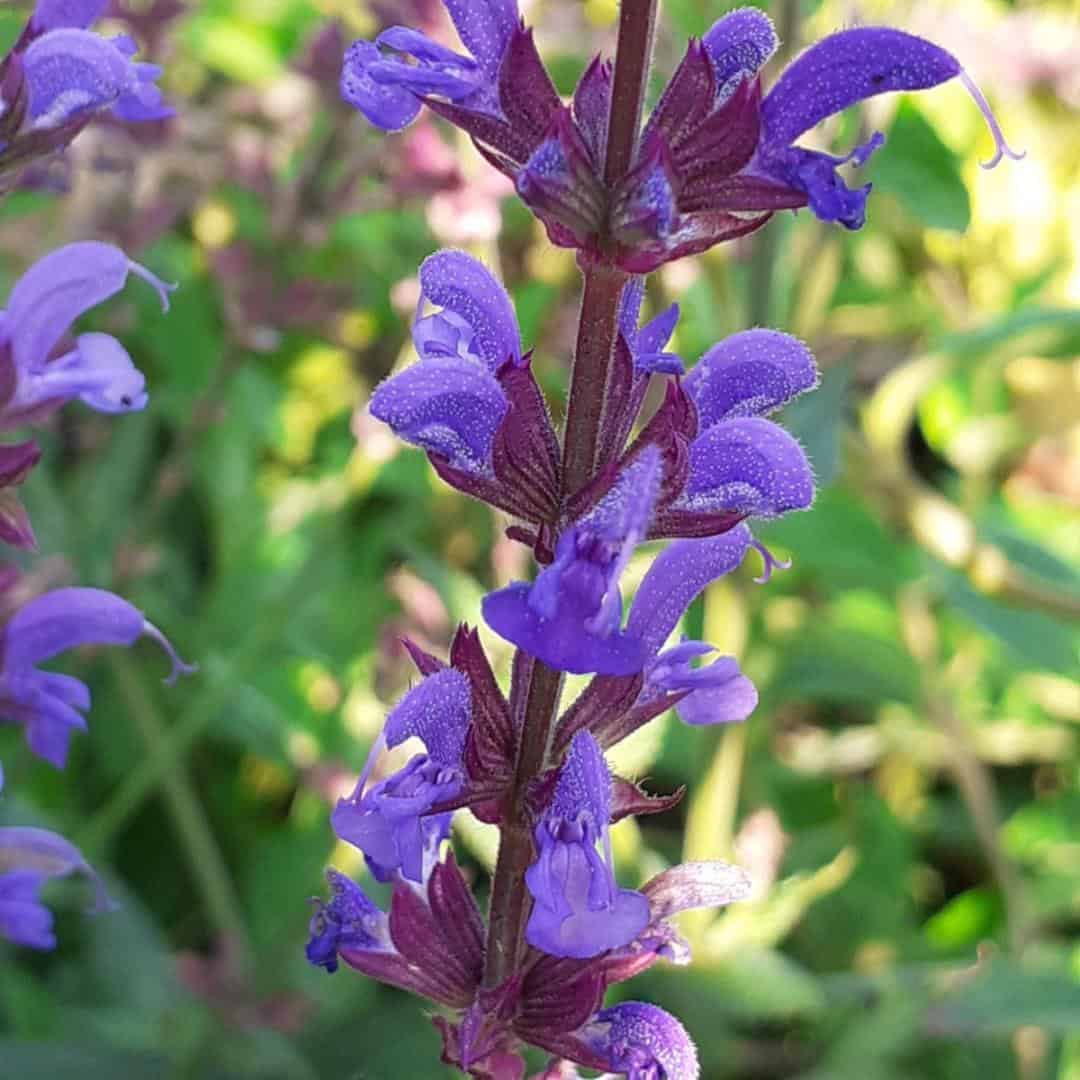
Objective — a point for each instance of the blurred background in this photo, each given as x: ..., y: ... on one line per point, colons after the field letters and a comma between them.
x: 906, y: 795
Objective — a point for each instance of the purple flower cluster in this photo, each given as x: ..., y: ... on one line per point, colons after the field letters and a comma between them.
x: 714, y: 160
x: 57, y: 77
x: 717, y: 157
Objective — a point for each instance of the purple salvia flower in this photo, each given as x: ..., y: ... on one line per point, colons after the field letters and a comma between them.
x: 716, y: 161
x: 739, y: 461
x: 717, y: 693
x: 648, y: 343
x: 569, y: 617
x: 450, y: 403
x: 676, y: 577
x: 727, y: 461
x: 28, y: 859
x: 477, y: 320
x: 388, y: 79
x: 349, y: 921
x: 447, y: 406
x: 642, y: 1042
x: 42, y: 305
x: 738, y: 46
x: 142, y: 100
x: 842, y: 69
x: 392, y: 823
x: 55, y: 14
x: 49, y: 704
x: 560, y: 185
x: 578, y: 909
x: 71, y: 73
x: 748, y: 466
x: 752, y: 373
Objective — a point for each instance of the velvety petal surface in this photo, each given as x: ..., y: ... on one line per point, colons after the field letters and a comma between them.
x: 460, y: 284
x: 446, y: 405
x: 750, y: 374
x: 644, y: 1043
x: 847, y: 67
x: 385, y: 105
x: 739, y: 45
x: 676, y: 577
x: 750, y: 466
x: 54, y: 14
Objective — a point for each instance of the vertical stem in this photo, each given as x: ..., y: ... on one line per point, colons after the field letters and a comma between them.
x: 598, y: 328
x: 510, y: 905
x: 597, y: 333
x: 637, y: 19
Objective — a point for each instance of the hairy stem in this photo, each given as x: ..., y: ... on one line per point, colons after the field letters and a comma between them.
x: 509, y: 899
x: 598, y: 328
x: 597, y: 333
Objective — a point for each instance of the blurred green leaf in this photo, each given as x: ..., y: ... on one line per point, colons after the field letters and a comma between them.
x: 922, y: 172
x: 1008, y: 997
x: 1033, y: 637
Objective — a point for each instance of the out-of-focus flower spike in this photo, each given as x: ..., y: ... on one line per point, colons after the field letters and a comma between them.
x: 50, y: 705
x: 29, y: 858
x: 45, y: 301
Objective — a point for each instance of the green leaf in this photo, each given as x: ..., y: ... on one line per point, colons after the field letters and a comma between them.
x: 1009, y: 997
x: 918, y: 169
x: 1032, y: 637
x: 51, y: 1060
x: 838, y: 665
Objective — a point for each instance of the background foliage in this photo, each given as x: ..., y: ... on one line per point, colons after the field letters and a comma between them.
x: 906, y: 795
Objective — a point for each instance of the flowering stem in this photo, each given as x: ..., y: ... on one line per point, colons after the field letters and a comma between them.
x: 509, y: 900
x: 597, y: 334
x: 597, y: 331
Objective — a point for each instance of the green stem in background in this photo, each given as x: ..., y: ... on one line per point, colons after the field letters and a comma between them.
x: 171, y: 746
x: 597, y: 334
x: 193, y: 831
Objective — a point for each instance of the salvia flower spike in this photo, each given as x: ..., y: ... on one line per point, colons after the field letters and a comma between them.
x: 718, y: 156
